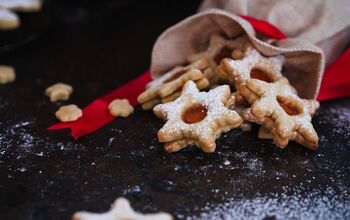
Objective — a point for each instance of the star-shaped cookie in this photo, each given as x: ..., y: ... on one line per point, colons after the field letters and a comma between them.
x: 251, y: 64
x: 281, y: 111
x: 121, y: 210
x: 197, y: 118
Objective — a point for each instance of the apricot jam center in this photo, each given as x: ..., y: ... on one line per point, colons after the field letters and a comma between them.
x: 290, y: 107
x: 194, y: 114
x: 259, y: 74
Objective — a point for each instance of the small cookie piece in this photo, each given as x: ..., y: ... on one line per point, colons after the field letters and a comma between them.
x: 68, y: 113
x: 59, y: 92
x: 7, y: 74
x: 252, y: 65
x: 278, y: 108
x: 197, y: 116
x: 22, y: 5
x: 8, y: 19
x: 120, y: 107
x: 121, y: 210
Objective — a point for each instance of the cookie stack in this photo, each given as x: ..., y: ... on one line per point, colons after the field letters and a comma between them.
x: 260, y: 94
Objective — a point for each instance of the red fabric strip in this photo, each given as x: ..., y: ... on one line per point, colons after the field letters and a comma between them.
x: 336, y: 79
x: 265, y: 28
x: 96, y: 114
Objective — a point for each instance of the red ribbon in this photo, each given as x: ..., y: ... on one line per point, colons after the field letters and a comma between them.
x: 336, y: 83
x: 96, y: 114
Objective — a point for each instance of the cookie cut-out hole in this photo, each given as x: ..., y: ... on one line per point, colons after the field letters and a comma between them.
x: 290, y: 106
x: 194, y: 114
x: 260, y: 75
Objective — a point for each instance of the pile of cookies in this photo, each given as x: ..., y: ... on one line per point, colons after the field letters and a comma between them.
x: 242, y: 87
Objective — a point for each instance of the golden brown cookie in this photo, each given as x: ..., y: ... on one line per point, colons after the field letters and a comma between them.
x: 250, y: 64
x: 279, y: 109
x: 69, y: 113
x: 59, y: 92
x: 197, y: 117
x: 120, y: 108
x: 7, y: 74
x: 8, y: 19
x: 171, y: 83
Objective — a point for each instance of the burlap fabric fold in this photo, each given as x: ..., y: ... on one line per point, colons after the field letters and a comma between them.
x: 325, y: 23
x: 304, y: 63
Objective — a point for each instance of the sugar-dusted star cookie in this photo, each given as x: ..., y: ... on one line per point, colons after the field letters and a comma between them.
x: 121, y: 210
x: 250, y: 63
x: 280, y: 110
x: 196, y: 118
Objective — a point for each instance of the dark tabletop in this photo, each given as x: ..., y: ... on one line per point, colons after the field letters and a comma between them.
x: 97, y: 46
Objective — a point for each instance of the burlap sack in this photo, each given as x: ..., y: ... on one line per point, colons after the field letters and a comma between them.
x: 304, y: 61
x: 325, y: 23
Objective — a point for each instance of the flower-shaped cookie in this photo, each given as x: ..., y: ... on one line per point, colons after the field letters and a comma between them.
x: 7, y: 74
x: 280, y: 110
x: 121, y: 210
x: 59, y: 92
x: 251, y: 64
x: 197, y: 117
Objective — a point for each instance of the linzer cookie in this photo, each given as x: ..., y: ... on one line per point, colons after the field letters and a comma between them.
x: 279, y: 109
x: 196, y: 118
x: 250, y: 63
x: 168, y: 86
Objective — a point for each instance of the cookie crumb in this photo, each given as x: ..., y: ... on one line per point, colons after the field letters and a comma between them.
x: 59, y: 92
x: 68, y: 113
x: 7, y: 74
x: 121, y: 108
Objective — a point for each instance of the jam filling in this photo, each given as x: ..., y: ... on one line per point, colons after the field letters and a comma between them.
x: 194, y: 114
x: 289, y: 106
x: 260, y: 75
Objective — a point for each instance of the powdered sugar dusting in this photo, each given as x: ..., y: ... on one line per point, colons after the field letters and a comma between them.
x: 317, y: 204
x: 253, y: 59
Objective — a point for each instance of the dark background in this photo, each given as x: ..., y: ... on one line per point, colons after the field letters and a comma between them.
x: 97, y: 46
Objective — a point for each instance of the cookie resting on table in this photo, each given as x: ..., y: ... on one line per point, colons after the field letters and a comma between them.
x: 7, y: 74
x: 68, y: 113
x: 8, y: 20
x: 280, y: 110
x: 59, y: 92
x: 121, y: 210
x: 251, y: 64
x: 121, y: 108
x: 161, y: 89
x: 196, y: 118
